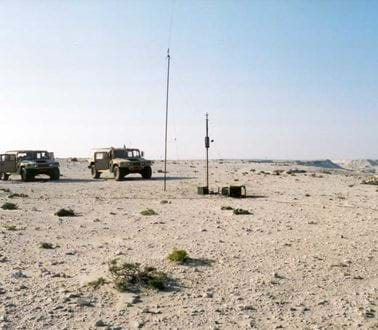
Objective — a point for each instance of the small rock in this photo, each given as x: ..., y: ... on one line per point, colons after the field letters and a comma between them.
x: 133, y: 300
x: 209, y: 294
x: 138, y: 324
x: 19, y: 274
x: 100, y: 323
x: 84, y: 302
x: 4, y: 318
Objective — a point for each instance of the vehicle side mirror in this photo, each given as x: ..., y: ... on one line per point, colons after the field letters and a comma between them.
x: 142, y: 153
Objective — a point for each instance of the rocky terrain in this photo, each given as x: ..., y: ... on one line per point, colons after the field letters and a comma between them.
x: 304, y: 258
x: 364, y: 165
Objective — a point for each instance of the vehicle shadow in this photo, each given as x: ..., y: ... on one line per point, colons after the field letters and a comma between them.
x: 254, y: 196
x: 78, y: 180
x: 73, y: 180
x: 62, y: 180
x: 169, y: 178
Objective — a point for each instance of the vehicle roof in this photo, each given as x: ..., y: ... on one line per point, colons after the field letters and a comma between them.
x: 18, y: 151
x: 112, y: 148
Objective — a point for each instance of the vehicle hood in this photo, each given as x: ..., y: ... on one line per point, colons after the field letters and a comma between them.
x: 132, y: 160
x: 35, y: 161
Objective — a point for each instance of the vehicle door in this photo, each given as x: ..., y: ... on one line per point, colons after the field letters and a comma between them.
x: 2, y: 163
x: 101, y: 160
x: 8, y: 163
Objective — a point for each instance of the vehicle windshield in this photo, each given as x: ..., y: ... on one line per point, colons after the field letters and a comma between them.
x: 126, y: 153
x: 32, y: 155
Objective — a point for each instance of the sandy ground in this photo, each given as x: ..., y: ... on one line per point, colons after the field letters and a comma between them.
x: 306, y: 258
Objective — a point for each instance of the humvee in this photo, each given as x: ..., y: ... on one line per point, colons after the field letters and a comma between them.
x: 28, y: 164
x: 120, y: 162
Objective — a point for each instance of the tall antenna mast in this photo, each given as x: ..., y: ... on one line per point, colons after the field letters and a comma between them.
x: 166, y: 123
x: 207, y: 146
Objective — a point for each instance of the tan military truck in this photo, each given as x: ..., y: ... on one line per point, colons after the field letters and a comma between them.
x: 120, y: 162
x: 28, y: 164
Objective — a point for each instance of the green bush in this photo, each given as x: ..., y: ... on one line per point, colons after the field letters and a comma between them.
x: 148, y: 212
x: 179, y: 256
x: 9, y: 206
x: 131, y: 277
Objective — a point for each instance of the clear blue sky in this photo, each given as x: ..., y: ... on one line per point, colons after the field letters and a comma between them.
x: 280, y: 79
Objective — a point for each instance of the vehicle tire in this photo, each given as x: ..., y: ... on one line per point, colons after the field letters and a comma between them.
x: 147, y: 172
x: 118, y: 173
x: 5, y: 176
x: 95, y: 174
x: 55, y: 174
x: 25, y: 175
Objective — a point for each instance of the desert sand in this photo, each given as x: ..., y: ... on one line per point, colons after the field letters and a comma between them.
x: 305, y: 258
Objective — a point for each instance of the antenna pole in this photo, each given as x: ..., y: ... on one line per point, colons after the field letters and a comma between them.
x: 166, y: 123
x: 207, y: 145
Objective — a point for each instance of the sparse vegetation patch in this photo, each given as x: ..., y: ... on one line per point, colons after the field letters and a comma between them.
x: 148, y: 212
x: 65, y: 213
x: 373, y: 181
x: 178, y: 256
x: 132, y: 277
x: 47, y: 246
x: 10, y: 227
x: 18, y: 195
x: 9, y: 206
x: 241, y: 212
x: 227, y: 208
x: 97, y: 283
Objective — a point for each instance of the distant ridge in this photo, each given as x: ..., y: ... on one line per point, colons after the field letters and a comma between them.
x: 327, y: 163
x: 359, y: 164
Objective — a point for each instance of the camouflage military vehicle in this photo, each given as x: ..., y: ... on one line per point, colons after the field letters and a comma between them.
x: 28, y: 164
x: 120, y: 162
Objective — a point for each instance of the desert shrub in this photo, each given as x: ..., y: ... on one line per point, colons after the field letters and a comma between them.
x: 73, y: 159
x: 7, y: 190
x: 45, y: 245
x: 227, y: 208
x: 97, y: 283
x: 10, y: 227
x: 148, y: 212
x: 157, y: 283
x: 241, y: 212
x: 65, y: 213
x: 295, y: 171
x: 9, y: 206
x: 131, y: 277
x: 18, y: 195
x: 178, y: 256
x: 372, y: 181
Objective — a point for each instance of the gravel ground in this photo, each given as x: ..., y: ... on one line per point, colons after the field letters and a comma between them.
x: 305, y: 258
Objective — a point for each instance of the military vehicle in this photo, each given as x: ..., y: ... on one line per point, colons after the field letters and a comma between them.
x: 120, y: 162
x: 28, y: 164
